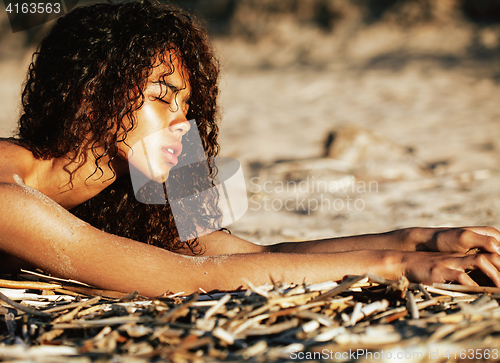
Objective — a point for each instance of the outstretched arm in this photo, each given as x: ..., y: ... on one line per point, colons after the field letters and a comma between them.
x: 37, y: 230
x: 451, y: 240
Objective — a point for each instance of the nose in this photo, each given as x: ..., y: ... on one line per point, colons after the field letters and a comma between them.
x: 180, y: 127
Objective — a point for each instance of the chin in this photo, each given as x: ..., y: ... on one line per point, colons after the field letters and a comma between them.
x: 162, y: 178
x: 159, y: 176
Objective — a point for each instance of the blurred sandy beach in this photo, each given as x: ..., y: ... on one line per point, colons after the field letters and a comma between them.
x: 322, y: 99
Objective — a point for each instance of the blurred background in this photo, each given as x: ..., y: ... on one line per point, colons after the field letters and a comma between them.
x: 348, y: 116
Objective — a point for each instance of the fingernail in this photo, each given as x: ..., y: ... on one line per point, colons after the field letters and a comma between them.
x: 497, y: 249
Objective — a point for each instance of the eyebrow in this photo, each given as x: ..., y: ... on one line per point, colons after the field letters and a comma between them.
x: 172, y: 87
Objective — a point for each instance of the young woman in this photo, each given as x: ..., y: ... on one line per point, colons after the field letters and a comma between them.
x: 106, y: 77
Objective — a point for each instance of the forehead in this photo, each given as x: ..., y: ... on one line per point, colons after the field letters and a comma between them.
x: 169, y: 68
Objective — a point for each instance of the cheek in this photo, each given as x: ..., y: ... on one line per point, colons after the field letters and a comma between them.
x: 146, y: 118
x: 146, y: 154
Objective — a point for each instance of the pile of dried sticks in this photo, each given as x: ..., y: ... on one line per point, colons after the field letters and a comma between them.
x: 362, y: 317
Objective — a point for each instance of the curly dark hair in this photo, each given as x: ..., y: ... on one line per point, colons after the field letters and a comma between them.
x: 84, y: 84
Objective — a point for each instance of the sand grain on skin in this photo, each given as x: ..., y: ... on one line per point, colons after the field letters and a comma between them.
x: 66, y: 230
x: 200, y: 260
x: 18, y: 180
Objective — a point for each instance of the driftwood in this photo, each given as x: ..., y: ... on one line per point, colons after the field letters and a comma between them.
x: 361, y: 317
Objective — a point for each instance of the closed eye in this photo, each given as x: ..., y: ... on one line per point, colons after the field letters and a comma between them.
x: 165, y: 89
x: 169, y: 91
x: 162, y: 100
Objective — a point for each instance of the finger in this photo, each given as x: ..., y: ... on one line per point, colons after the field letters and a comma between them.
x: 488, y: 264
x: 460, y: 240
x: 465, y: 239
x: 490, y: 238
x: 485, y: 230
x: 463, y: 278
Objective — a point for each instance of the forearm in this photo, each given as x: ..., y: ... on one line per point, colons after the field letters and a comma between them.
x: 126, y: 265
x: 232, y: 271
x: 401, y: 240
x: 221, y: 243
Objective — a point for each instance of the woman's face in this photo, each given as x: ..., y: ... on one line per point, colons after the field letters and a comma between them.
x: 160, y: 123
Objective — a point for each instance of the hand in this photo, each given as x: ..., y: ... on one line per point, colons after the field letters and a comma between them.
x: 430, y: 267
x: 459, y: 240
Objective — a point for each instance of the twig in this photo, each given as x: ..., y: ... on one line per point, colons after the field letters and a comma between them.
x: 28, y: 285
x: 463, y: 288
x: 412, y: 306
x: 23, y: 308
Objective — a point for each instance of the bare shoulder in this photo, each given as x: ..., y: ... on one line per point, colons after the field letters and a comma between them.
x: 14, y: 159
